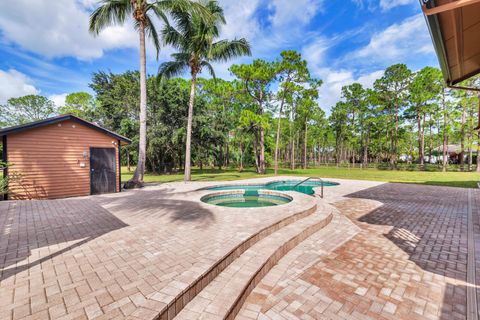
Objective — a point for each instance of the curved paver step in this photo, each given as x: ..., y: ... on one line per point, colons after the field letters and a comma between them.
x: 224, y: 296
x: 273, y: 293
x: 187, y: 285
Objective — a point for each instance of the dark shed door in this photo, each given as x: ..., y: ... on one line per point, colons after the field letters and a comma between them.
x: 102, y: 170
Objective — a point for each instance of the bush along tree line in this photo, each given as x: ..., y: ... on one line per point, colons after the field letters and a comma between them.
x: 271, y: 111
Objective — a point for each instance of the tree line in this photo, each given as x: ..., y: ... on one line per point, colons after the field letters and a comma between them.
x: 270, y: 116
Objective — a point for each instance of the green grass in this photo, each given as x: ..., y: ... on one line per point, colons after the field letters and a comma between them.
x: 452, y: 179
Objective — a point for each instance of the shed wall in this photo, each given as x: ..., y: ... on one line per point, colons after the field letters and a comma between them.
x: 48, y: 162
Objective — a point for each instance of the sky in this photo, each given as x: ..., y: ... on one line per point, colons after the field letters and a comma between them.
x: 45, y: 46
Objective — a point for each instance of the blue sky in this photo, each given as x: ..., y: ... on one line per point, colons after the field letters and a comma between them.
x: 45, y: 47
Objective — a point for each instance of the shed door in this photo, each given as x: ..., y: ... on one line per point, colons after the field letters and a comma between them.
x: 102, y: 170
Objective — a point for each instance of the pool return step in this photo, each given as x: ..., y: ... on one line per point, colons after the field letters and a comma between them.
x: 223, y: 297
x: 179, y: 295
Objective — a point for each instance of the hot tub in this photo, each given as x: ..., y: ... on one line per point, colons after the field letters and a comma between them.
x: 246, y: 198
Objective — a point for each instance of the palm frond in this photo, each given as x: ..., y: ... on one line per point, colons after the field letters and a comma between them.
x: 109, y: 13
x: 225, y: 50
x: 193, y: 8
x: 183, y: 22
x: 173, y: 37
x: 216, y: 11
x: 209, y: 68
x: 171, y: 69
x: 182, y: 57
x: 152, y: 33
x: 158, y: 11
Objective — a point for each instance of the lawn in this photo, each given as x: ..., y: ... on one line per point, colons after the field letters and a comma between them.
x: 453, y: 179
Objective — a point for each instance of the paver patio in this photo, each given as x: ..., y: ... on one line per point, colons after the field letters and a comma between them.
x: 408, y: 262
x: 127, y: 255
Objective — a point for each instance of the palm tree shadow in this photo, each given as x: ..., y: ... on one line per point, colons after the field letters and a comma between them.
x: 144, y: 205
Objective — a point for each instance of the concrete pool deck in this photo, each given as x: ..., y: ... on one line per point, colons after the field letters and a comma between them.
x: 368, y: 250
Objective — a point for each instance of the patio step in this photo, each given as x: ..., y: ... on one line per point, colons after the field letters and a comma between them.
x: 160, y: 306
x: 224, y: 296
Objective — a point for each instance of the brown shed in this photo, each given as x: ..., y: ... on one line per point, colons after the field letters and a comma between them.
x: 60, y: 157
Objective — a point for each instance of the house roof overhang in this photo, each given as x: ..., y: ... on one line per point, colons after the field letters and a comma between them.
x: 455, y: 30
x: 31, y: 125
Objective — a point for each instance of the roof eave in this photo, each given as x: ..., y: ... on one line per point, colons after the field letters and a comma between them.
x: 437, y: 39
x: 57, y: 119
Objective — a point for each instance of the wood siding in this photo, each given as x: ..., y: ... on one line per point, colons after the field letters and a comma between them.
x: 47, y: 162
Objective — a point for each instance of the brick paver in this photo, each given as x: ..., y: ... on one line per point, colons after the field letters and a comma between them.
x: 119, y: 255
x: 128, y: 255
x: 408, y: 262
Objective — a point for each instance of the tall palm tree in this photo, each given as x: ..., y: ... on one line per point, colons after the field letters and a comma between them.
x: 197, y: 45
x: 115, y: 12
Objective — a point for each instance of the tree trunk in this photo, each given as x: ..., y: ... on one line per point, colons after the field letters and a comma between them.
x: 226, y: 159
x: 320, y: 151
x: 421, y: 156
x: 430, y: 140
x: 365, y: 149
x: 478, y: 153
x: 262, y: 151
x: 293, y: 153
x: 240, y: 168
x: 305, y: 147
x: 188, y: 156
x: 462, y: 140
x: 445, y: 135
x: 255, y: 152
x: 277, y: 142
x: 470, y: 156
x: 128, y: 160
x: 137, y: 179
x: 393, y: 159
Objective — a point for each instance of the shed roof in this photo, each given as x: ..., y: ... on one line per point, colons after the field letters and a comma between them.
x: 57, y: 119
x: 455, y: 28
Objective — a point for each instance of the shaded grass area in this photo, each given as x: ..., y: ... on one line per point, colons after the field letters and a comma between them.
x: 452, y: 179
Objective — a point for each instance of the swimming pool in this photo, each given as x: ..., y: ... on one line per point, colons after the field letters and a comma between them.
x: 289, y: 185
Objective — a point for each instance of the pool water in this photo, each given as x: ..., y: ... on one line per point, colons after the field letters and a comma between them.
x: 306, y: 187
x: 251, y: 199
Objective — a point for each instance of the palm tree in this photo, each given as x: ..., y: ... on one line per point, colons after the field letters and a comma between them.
x: 195, y: 40
x: 113, y: 12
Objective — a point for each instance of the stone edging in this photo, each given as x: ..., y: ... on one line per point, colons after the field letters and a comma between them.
x: 174, y: 307
x: 272, y: 261
x: 472, y: 303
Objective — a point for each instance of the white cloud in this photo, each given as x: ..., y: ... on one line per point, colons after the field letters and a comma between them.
x: 397, y: 43
x: 315, y: 52
x: 60, y: 28
x: 293, y: 13
x: 58, y: 99
x: 284, y: 27
x: 384, y: 5
x: 389, y: 4
x: 241, y: 19
x: 15, y: 84
x: 89, y: 4
x: 334, y: 80
x: 403, y: 42
x: 368, y: 79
